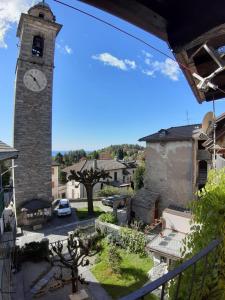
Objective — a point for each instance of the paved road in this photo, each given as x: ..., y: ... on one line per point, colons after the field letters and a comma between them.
x: 58, y: 228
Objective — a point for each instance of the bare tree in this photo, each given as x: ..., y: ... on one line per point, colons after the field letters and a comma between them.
x: 79, y: 247
x: 89, y: 178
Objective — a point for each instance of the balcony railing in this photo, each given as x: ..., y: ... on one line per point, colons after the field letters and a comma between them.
x: 162, y: 282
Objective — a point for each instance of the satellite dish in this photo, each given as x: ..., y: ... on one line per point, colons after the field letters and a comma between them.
x: 207, y: 122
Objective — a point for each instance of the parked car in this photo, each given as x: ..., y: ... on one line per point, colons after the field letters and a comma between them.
x: 111, y: 199
x: 63, y: 208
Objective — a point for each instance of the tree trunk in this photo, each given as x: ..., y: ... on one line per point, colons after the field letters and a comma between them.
x: 74, y: 274
x: 89, y: 190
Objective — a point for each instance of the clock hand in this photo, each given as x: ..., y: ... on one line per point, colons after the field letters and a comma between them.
x: 35, y: 80
x: 37, y: 83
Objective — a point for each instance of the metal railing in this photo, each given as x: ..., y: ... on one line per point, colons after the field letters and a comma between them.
x: 177, y: 273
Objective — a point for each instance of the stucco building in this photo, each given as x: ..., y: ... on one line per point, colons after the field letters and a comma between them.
x: 55, y: 180
x: 118, y: 171
x: 176, y: 166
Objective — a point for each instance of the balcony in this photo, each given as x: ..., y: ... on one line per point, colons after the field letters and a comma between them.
x: 203, y: 155
x: 161, y: 283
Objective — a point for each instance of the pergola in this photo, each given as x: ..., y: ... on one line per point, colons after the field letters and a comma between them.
x: 194, y: 30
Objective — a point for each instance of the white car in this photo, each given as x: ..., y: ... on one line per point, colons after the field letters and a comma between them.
x: 63, y: 208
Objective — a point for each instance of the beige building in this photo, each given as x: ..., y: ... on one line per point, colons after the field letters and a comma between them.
x: 55, y: 180
x: 177, y: 163
x: 119, y: 173
x: 176, y: 166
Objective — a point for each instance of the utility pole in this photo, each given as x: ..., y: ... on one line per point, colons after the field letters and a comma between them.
x: 187, y: 117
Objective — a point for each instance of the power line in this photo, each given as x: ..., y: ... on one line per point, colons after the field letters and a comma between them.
x: 130, y: 35
x: 121, y: 30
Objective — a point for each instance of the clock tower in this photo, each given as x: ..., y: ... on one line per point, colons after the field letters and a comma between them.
x: 37, y: 31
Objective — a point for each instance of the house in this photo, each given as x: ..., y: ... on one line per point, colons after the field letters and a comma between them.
x: 7, y: 205
x: 171, y: 176
x: 55, y: 180
x: 166, y: 246
x: 7, y: 221
x: 177, y: 164
x: 117, y: 170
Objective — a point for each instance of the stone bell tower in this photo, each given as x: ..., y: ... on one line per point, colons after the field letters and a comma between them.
x: 37, y: 31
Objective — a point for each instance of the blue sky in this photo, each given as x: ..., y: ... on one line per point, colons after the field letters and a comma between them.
x: 108, y: 88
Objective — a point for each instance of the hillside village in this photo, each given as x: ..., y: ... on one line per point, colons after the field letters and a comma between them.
x: 127, y: 221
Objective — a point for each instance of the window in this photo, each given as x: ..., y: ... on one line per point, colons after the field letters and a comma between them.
x: 115, y: 176
x: 163, y: 259
x: 41, y: 15
x: 123, y: 179
x: 38, y: 46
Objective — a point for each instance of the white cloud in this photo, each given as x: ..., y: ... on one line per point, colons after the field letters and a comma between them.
x: 149, y: 72
x: 168, y: 67
x: 147, y: 54
x: 110, y: 60
x: 130, y: 63
x: 68, y: 49
x: 10, y: 11
x: 65, y: 49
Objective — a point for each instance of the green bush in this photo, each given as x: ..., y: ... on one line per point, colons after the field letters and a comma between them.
x: 114, y: 259
x: 110, y: 191
x: 133, y: 240
x: 108, y: 217
x: 208, y: 224
x: 34, y: 251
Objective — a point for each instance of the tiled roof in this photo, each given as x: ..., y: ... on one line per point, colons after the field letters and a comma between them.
x: 106, y: 164
x: 55, y: 164
x: 75, y: 167
x: 179, y: 133
x: 7, y: 152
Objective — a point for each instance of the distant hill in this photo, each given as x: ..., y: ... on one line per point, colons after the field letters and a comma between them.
x: 123, y: 151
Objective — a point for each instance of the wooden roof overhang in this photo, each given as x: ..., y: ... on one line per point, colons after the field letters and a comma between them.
x: 185, y: 26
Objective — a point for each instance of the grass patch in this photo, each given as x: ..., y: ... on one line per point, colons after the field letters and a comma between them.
x: 82, y: 213
x: 133, y: 273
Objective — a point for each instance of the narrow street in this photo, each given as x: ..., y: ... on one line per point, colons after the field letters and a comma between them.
x: 58, y: 228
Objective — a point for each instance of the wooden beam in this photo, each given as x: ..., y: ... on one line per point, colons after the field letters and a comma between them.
x: 135, y: 13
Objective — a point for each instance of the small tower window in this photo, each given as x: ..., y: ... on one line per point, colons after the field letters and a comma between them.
x: 41, y: 15
x: 38, y: 46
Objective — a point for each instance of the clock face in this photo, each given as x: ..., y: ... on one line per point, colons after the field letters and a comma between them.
x: 35, y: 80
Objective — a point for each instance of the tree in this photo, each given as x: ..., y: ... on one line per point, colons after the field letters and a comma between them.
x: 79, y: 248
x: 59, y: 158
x: 62, y: 176
x: 120, y: 154
x: 208, y: 224
x: 139, y: 177
x: 94, y: 155
x: 89, y: 178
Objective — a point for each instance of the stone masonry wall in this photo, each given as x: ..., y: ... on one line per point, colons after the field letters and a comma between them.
x: 169, y: 178
x: 169, y: 172
x: 33, y: 117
